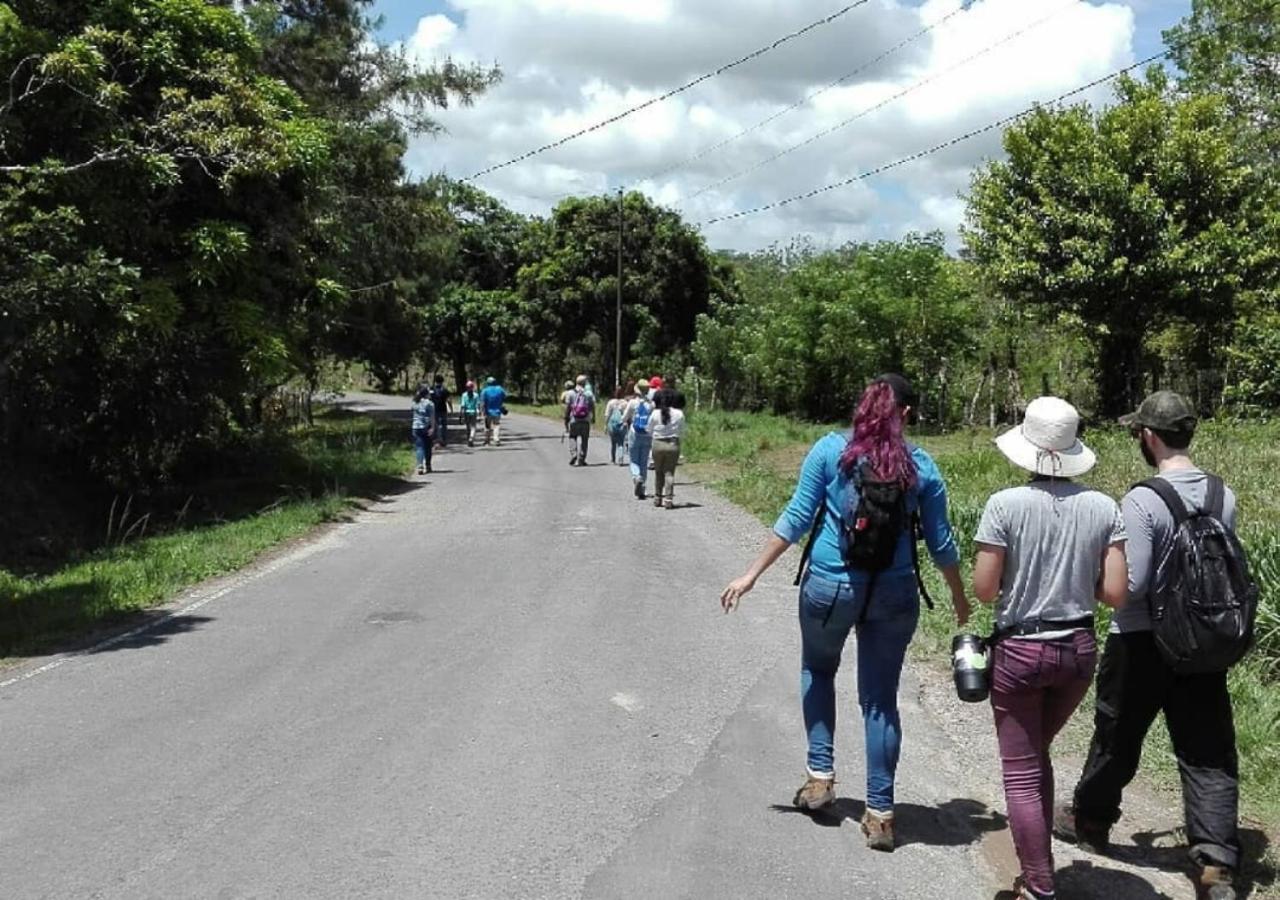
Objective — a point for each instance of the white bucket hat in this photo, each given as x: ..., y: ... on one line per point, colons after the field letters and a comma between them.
x: 1046, y: 442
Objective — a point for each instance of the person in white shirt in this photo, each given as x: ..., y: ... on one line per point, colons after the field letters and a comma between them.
x: 667, y: 426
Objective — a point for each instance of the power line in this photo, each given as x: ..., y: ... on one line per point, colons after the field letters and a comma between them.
x: 937, y: 147
x: 813, y: 138
x: 701, y: 154
x: 604, y: 123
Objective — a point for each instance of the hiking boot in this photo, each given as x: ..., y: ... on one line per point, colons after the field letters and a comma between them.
x: 639, y: 490
x: 669, y: 503
x: 815, y: 793
x: 1215, y: 883
x: 1091, y: 837
x: 657, y: 501
x: 878, y: 827
x: 1023, y: 891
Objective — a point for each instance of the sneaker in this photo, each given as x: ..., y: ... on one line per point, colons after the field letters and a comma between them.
x: 878, y: 827
x: 1088, y: 836
x: 422, y: 470
x: 815, y: 793
x: 639, y: 491
x: 669, y: 503
x: 1215, y: 883
x: 1021, y: 891
x: 657, y: 501
x: 573, y: 462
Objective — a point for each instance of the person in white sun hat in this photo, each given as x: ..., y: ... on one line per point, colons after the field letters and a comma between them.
x: 1048, y: 551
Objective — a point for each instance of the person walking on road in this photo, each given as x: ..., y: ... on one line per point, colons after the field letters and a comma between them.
x: 614, y: 413
x: 636, y: 421
x: 1136, y: 683
x: 440, y: 398
x: 668, y: 428
x: 423, y: 427
x: 579, y: 416
x: 469, y: 403
x: 843, y: 477
x: 494, y: 401
x: 1048, y: 551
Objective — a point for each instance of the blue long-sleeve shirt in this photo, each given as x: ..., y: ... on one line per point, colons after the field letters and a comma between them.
x: 822, y: 483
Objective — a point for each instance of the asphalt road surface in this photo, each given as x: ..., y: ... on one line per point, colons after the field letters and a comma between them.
x: 511, y: 680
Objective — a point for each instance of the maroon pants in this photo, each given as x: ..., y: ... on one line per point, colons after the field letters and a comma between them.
x: 1035, y: 687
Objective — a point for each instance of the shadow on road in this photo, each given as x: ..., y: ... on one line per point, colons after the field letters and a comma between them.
x: 156, y: 634
x: 954, y: 823
x: 1167, y: 851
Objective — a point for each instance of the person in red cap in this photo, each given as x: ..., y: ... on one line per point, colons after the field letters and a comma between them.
x: 655, y: 383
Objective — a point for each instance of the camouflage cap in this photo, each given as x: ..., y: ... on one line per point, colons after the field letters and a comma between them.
x: 1163, y: 411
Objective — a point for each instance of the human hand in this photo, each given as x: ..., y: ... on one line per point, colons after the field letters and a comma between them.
x: 737, y: 589
x: 962, y: 609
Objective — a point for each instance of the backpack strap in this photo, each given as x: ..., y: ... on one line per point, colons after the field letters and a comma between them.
x: 1215, y: 501
x: 1169, y: 494
x: 813, y: 539
x: 917, y: 535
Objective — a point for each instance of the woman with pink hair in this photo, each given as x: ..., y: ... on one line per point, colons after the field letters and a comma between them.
x: 863, y: 496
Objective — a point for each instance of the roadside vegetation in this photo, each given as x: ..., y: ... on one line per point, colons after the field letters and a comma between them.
x: 116, y: 555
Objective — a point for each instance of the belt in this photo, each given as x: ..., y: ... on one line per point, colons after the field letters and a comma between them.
x: 1040, y: 626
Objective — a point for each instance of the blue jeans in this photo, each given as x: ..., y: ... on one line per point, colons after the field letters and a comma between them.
x: 828, y: 612
x: 422, y: 446
x: 641, y: 444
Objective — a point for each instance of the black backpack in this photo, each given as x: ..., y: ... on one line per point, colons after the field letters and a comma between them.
x: 1203, y: 609
x: 870, y: 533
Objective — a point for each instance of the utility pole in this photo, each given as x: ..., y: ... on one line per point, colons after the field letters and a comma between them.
x: 617, y: 336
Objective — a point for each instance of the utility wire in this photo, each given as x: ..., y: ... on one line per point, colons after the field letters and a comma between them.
x: 701, y: 154
x: 938, y: 147
x: 813, y: 138
x: 604, y: 123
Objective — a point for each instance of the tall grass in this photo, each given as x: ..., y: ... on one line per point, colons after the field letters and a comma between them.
x: 753, y: 459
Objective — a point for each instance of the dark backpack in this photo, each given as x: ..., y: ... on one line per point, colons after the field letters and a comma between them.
x: 1204, y: 607
x: 871, y: 530
x: 440, y: 397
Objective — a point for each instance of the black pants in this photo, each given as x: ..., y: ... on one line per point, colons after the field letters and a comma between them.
x: 1134, y: 685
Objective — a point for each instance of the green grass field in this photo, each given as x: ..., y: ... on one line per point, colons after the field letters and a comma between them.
x: 148, y: 549
x: 754, y: 458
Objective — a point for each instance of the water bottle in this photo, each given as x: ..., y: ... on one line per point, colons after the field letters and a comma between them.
x: 969, y: 668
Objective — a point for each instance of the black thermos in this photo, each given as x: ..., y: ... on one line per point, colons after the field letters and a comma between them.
x: 969, y: 668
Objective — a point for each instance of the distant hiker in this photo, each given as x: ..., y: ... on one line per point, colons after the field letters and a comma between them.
x: 1166, y: 518
x: 469, y: 403
x: 614, y: 413
x: 579, y: 416
x: 1046, y: 550
x: 637, y: 422
x: 494, y: 401
x: 668, y: 428
x: 440, y: 397
x: 423, y: 427
x: 566, y: 395
x: 863, y: 498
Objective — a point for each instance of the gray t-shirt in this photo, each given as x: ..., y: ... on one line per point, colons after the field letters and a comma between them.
x: 1054, y: 534
x: 1150, y: 526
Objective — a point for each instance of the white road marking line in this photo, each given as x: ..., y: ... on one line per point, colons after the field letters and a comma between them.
x: 237, y: 580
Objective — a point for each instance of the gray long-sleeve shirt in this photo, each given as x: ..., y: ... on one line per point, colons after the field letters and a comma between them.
x: 1150, y: 527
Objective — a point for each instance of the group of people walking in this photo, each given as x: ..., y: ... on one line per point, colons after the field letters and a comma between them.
x: 1048, y: 551
x: 430, y: 411
x: 644, y: 419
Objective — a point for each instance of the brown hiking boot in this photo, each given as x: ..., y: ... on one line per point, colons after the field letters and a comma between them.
x: 816, y: 793
x: 1215, y: 883
x: 878, y: 827
x: 1089, y: 836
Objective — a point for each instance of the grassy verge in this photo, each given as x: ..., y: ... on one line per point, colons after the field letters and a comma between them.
x: 261, y: 495
x: 753, y: 460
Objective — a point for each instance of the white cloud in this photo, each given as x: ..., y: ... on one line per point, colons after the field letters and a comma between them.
x: 570, y: 63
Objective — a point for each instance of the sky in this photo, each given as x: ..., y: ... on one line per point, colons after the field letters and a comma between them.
x: 568, y: 64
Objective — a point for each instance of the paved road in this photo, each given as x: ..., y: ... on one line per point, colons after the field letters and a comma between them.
x: 512, y: 680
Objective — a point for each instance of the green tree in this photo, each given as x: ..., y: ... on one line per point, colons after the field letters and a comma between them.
x: 1130, y: 219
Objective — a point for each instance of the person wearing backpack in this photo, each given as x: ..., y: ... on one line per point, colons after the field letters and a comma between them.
x: 614, y: 412
x: 863, y: 498
x: 579, y: 416
x: 422, y: 427
x: 667, y: 426
x: 440, y: 398
x: 469, y: 403
x: 1048, y: 551
x: 636, y: 422
x: 493, y: 399
x: 1182, y: 517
